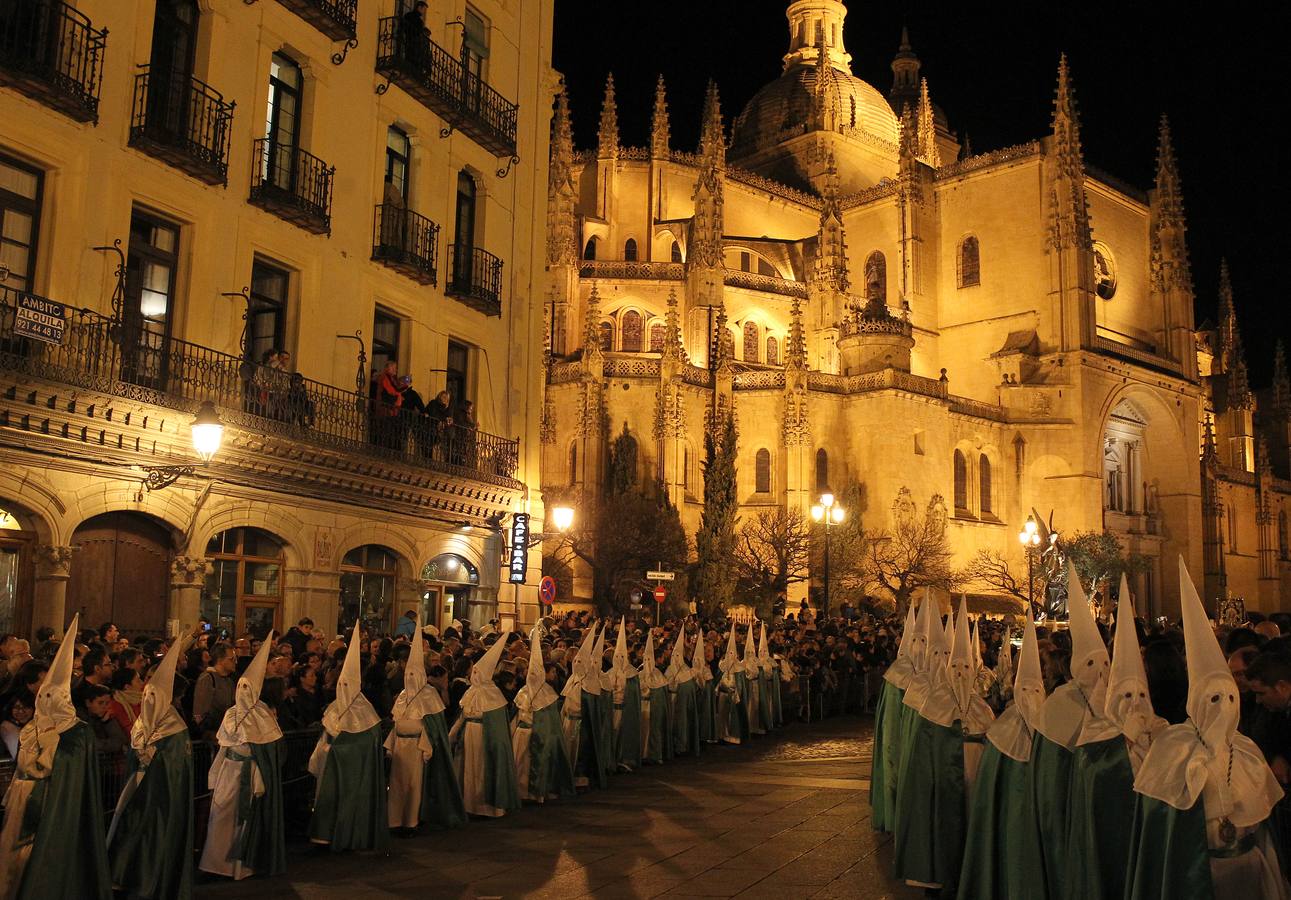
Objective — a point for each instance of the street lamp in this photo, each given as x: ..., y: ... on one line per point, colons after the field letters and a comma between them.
x: 562, y: 517
x: 829, y: 512
x: 1029, y: 538
x: 207, y: 433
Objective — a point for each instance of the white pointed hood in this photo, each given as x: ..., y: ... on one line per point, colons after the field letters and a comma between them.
x: 975, y: 643
x: 902, y: 669
x: 921, y: 652
x: 418, y: 698
x: 596, y: 662
x: 1065, y: 710
x: 730, y: 661
x: 698, y: 663
x: 249, y: 721
x: 750, y: 659
x: 678, y: 672
x: 483, y: 695
x: 158, y: 718
x: 1129, y: 706
x: 350, y: 712
x: 954, y: 696
x: 1090, y: 666
x: 574, y: 684
x: 651, y: 677
x: 1206, y: 757
x: 1013, y: 730
x: 623, y: 667
x: 55, y: 713
x: 537, y: 693
x: 764, y: 652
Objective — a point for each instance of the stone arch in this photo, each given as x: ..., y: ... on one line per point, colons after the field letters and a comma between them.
x: 35, y: 504
x: 166, y: 505
x: 382, y: 534
x: 269, y: 517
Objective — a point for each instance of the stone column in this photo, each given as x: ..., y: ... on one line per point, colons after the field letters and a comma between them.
x: 53, y: 568
x: 187, y: 577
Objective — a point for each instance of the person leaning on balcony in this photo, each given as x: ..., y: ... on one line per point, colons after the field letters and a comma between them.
x: 386, y: 406
x: 414, y: 33
x: 299, y: 408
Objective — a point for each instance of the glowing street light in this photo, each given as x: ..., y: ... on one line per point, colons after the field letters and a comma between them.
x: 562, y: 517
x: 1029, y: 538
x: 829, y: 512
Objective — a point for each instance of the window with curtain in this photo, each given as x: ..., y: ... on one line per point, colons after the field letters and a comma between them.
x: 398, y: 154
x: 267, y: 326
x: 20, y: 190
x: 961, y: 482
x: 970, y: 264
x: 762, y: 471
x: 750, y: 342
x: 633, y: 331
x: 984, y: 484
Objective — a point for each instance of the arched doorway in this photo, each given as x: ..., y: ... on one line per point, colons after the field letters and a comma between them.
x: 450, y: 580
x: 244, y: 588
x: 368, y: 589
x: 17, y: 571
x: 121, y: 572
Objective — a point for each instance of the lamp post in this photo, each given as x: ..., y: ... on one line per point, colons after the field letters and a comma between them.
x: 830, y: 512
x: 1029, y: 538
x: 207, y: 432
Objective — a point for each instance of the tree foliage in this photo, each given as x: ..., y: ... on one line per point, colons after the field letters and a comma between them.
x: 714, y: 580
x: 771, y: 553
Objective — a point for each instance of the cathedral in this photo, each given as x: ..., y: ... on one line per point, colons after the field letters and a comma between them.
x: 980, y: 335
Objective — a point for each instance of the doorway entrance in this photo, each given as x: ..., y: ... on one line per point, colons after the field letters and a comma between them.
x: 17, y: 572
x: 121, y: 573
x: 450, y: 581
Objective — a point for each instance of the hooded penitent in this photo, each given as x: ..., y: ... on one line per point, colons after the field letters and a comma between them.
x: 250, y: 721
x: 1128, y: 706
x: 573, y: 688
x: 1206, y: 757
x: 350, y: 712
x: 1013, y: 730
x: 158, y: 718
x: 750, y: 658
x: 730, y: 660
x: 1090, y: 665
x: 483, y: 695
x: 482, y: 742
x: 1066, y: 709
x: 955, y: 696
x: 418, y: 698
x: 651, y: 677
x: 596, y: 663
x: 903, y: 667
x: 622, y: 669
x: 537, y: 693
x: 921, y: 651
x: 55, y: 712
x: 765, y: 661
x: 698, y: 664
x: 678, y: 672
x: 537, y: 744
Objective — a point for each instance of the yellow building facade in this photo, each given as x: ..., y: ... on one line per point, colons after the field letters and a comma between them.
x: 191, y: 188
x: 989, y: 334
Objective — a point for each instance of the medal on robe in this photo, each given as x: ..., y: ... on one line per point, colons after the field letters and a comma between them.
x: 1227, y: 831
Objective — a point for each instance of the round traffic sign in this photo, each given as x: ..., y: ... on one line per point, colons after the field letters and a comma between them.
x: 660, y: 593
x: 547, y: 590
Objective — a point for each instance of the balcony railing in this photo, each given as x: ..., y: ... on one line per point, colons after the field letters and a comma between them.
x: 50, y: 52
x: 475, y: 278
x: 122, y: 359
x: 405, y: 241
x: 440, y: 81
x: 335, y: 18
x: 628, y: 268
x: 184, y: 122
x: 766, y: 283
x: 293, y: 184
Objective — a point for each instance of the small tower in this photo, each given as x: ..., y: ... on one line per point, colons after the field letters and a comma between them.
x: 905, y: 76
x: 659, y: 132
x: 705, y: 274
x: 607, y: 143
x: 1171, y: 273
x: 929, y: 153
x: 1231, y: 394
x: 562, y: 222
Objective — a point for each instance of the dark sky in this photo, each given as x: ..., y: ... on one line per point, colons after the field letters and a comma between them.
x: 1216, y: 69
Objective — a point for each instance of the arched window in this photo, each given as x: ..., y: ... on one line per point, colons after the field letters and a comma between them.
x: 984, y: 484
x: 367, y: 589
x: 633, y: 332
x: 773, y: 352
x: 750, y: 342
x: 658, y: 335
x: 589, y: 249
x: 762, y: 471
x: 573, y: 464
x: 961, y: 482
x: 244, y: 588
x: 970, y: 263
x: 876, y: 277
x: 630, y: 250
x: 607, y: 336
x: 676, y: 252
x: 685, y: 470
x: 822, y: 469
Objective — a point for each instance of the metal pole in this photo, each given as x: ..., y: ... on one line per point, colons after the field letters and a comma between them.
x: 826, y: 609
x: 1030, y: 576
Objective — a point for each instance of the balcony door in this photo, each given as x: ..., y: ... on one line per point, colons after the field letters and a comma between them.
x: 282, y: 128
x: 464, y: 231
x: 174, y: 46
x: 151, y: 262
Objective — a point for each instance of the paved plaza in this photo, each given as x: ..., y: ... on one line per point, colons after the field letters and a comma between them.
x: 784, y: 817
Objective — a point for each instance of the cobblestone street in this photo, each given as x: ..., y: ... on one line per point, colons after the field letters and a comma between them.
x: 785, y: 817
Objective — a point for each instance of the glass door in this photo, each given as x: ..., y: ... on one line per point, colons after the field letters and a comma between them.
x: 282, y: 128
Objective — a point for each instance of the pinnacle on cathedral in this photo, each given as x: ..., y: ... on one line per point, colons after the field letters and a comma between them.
x: 1169, y: 249
x: 1232, y: 356
x: 592, y: 324
x: 927, y: 128
x: 795, y: 356
x: 1065, y: 124
x: 1168, y: 191
x: 659, y: 132
x: 712, y: 138
x: 608, y: 133
x: 1281, y: 382
x: 672, y: 345
x: 562, y: 247
x: 905, y: 75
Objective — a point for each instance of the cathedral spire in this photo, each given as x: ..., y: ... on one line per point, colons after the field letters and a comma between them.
x: 795, y: 355
x: 1065, y: 124
x: 592, y: 324
x: 1227, y: 314
x: 830, y: 270
x: 659, y: 134
x: 712, y: 138
x: 562, y: 248
x: 1281, y: 382
x: 608, y: 134
x: 826, y: 99
x: 908, y: 139
x: 1209, y: 455
x: 927, y: 128
x: 1232, y: 355
x: 720, y: 354
x: 905, y: 75
x: 1239, y: 385
x: 1168, y: 193
x: 672, y: 346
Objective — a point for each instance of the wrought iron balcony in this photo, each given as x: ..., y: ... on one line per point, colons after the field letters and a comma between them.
x: 475, y: 278
x: 440, y: 81
x: 183, y: 122
x: 50, y: 52
x: 335, y: 18
x: 121, y: 359
x: 293, y: 185
x: 405, y: 241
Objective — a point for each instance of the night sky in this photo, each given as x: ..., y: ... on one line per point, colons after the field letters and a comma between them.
x: 992, y: 68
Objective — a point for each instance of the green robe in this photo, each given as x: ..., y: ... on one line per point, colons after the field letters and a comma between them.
x: 777, y: 703
x: 152, y: 847
x: 350, y: 802
x: 441, y: 798
x: 550, y: 773
x: 658, y: 745
x: 1001, y: 856
x: 886, y: 756
x: 685, y: 719
x: 748, y: 686
x: 908, y: 721
x: 627, y: 737
x: 706, y: 703
x: 766, y: 706
x: 263, y: 848
x: 605, y: 726
x: 500, y: 789
x: 1169, y: 854
x: 63, y: 821
x: 1102, y: 793
x: 595, y: 751
x: 730, y: 712
x: 1049, y: 785
x: 929, y: 840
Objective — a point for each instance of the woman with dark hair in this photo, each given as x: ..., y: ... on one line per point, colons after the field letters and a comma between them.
x: 16, y: 710
x: 1167, y: 680
x: 127, y: 696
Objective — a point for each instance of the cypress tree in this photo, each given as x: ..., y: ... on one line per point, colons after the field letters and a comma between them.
x: 714, y: 582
